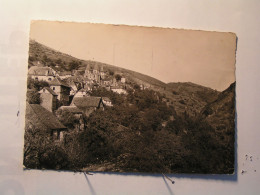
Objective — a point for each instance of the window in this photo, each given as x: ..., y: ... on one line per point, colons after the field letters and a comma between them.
x: 49, y: 79
x: 53, y: 88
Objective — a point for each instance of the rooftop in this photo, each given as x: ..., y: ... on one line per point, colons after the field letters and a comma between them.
x: 47, y: 118
x: 41, y: 71
x: 90, y: 101
x: 59, y: 82
x: 72, y: 109
x: 49, y: 90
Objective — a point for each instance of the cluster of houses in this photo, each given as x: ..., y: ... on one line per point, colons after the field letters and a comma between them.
x: 70, y: 92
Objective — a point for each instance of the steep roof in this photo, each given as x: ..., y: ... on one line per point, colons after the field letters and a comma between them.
x: 75, y: 78
x: 47, y: 118
x: 72, y: 109
x: 58, y: 82
x: 64, y: 73
x: 83, y: 102
x: 49, y: 90
x: 41, y: 71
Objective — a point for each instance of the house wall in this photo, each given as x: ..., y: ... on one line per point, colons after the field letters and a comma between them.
x: 48, y: 101
x: 43, y: 78
x: 63, y: 94
x: 107, y: 103
x: 65, y: 76
x: 119, y: 91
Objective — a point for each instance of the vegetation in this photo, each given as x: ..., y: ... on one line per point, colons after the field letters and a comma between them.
x: 33, y: 86
x: 41, y: 152
x: 141, y: 133
x: 171, y: 128
x: 33, y: 97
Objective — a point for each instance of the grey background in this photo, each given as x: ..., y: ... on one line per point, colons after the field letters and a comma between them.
x: 238, y: 16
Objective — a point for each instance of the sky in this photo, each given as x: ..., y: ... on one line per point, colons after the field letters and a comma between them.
x: 170, y: 55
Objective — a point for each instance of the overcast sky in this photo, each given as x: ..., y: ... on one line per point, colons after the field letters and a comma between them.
x: 170, y: 55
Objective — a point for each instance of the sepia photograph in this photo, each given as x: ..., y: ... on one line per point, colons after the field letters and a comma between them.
x: 118, y: 98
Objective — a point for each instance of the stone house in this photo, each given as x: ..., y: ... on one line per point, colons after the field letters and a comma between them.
x: 65, y: 74
x: 62, y: 90
x: 107, y: 101
x: 123, y: 80
x: 77, y: 113
x: 48, y: 99
x: 82, y: 93
x: 42, y: 73
x: 88, y: 104
x: 118, y: 89
x: 45, y: 121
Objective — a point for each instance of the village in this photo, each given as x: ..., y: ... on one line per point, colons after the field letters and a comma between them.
x: 94, y: 118
x: 70, y: 92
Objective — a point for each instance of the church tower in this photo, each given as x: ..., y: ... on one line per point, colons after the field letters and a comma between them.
x: 96, y: 73
x: 87, y: 71
x: 102, y: 73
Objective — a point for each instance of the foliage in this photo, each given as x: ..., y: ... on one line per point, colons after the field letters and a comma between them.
x: 111, y: 73
x: 33, y: 97
x: 67, y: 118
x: 35, y: 84
x: 40, y: 151
x: 118, y: 77
x: 73, y: 65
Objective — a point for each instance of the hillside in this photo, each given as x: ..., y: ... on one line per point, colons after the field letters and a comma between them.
x: 185, y: 97
x: 220, y: 114
x: 152, y: 127
x: 61, y: 62
x: 189, y: 97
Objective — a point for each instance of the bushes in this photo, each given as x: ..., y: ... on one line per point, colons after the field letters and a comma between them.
x: 33, y: 97
x: 53, y: 157
x: 35, y: 84
x: 67, y: 118
x: 41, y: 152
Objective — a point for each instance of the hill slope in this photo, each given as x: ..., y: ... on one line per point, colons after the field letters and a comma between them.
x: 189, y: 97
x: 185, y: 97
x: 220, y: 114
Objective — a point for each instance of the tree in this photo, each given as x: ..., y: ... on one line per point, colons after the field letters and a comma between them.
x: 59, y: 61
x: 118, y: 77
x: 111, y: 73
x: 35, y: 84
x: 40, y: 151
x: 68, y: 119
x: 73, y: 65
x: 33, y: 97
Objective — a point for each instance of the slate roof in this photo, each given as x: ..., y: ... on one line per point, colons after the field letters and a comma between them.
x: 74, y: 78
x: 83, y: 102
x: 47, y: 118
x: 58, y: 82
x: 72, y: 109
x: 41, y: 71
x: 49, y: 90
x: 64, y: 73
